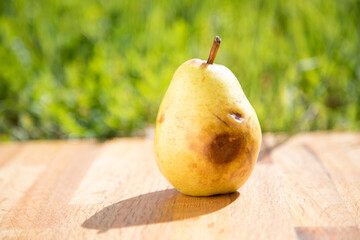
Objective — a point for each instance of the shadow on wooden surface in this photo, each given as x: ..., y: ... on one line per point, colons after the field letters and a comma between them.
x: 156, y: 207
x: 267, y: 148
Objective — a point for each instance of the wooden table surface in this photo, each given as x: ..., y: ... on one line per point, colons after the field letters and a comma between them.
x: 305, y: 186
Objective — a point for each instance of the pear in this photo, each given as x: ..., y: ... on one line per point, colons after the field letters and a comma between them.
x: 207, y: 134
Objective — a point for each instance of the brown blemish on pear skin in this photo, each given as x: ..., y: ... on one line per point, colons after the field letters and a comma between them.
x: 161, y: 118
x: 251, y: 153
x: 224, y: 148
x: 220, y: 119
x: 193, y: 165
x: 248, y: 155
x: 162, y: 115
x: 238, y: 117
x: 236, y: 175
x: 193, y: 145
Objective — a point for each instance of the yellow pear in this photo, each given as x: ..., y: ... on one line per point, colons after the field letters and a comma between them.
x: 207, y: 135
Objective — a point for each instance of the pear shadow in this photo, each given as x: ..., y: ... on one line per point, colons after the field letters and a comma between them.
x: 156, y: 207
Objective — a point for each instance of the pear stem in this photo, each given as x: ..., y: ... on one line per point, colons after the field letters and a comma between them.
x: 214, y: 50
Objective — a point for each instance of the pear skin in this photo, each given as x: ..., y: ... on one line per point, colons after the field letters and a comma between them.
x: 207, y: 134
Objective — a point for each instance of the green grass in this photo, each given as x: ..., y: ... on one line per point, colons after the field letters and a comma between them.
x: 84, y: 69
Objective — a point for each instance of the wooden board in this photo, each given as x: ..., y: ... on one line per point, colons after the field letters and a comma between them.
x: 305, y: 186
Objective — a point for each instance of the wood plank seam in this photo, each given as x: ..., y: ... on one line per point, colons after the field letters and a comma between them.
x: 318, y: 159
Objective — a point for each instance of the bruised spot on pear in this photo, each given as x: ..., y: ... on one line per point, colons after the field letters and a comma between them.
x: 224, y: 148
x: 237, y: 117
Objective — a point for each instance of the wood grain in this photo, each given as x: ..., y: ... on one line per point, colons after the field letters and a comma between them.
x: 305, y: 186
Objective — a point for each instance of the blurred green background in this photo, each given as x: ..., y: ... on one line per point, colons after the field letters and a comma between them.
x: 85, y: 69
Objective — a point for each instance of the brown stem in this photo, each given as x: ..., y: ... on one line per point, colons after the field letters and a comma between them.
x: 214, y: 50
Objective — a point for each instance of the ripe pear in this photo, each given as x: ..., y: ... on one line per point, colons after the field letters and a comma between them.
x: 207, y: 134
